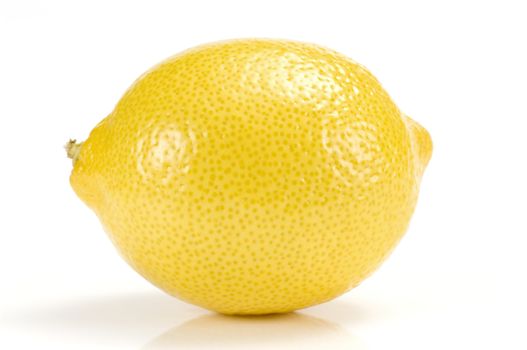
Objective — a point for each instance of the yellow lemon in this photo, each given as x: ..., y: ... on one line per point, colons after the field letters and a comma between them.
x: 253, y: 176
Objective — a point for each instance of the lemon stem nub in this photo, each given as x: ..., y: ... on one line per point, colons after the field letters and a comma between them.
x: 72, y: 149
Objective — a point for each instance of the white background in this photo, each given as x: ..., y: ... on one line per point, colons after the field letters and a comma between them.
x: 455, y: 282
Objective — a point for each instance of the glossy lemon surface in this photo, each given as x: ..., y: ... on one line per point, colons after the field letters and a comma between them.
x: 254, y: 176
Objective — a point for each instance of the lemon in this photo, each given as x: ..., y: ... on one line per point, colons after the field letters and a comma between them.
x: 253, y: 176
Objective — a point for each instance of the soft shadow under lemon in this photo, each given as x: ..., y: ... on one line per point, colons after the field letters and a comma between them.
x: 293, y: 330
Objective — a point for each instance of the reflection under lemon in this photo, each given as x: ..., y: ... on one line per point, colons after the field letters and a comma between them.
x: 292, y: 330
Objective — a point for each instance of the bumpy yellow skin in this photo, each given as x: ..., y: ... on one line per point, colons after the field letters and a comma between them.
x: 254, y: 176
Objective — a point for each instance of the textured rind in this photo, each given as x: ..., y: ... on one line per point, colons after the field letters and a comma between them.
x: 254, y: 176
